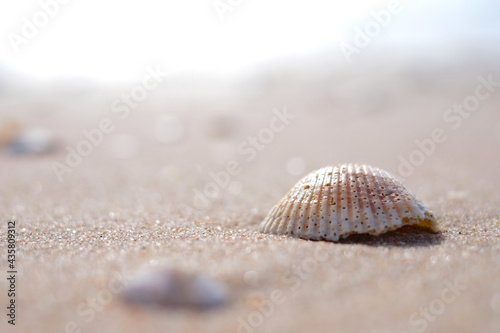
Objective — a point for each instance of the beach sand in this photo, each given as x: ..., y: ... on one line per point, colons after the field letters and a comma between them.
x: 128, y: 208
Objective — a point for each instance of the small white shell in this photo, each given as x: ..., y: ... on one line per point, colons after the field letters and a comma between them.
x: 337, y: 201
x: 167, y: 288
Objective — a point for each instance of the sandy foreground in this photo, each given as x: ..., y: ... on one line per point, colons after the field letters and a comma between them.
x: 128, y: 208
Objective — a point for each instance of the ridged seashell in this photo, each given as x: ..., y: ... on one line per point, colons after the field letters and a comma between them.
x: 337, y: 201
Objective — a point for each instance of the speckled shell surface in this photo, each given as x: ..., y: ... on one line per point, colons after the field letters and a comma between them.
x: 337, y: 201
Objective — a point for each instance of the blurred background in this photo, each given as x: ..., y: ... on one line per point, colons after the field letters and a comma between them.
x: 364, y: 79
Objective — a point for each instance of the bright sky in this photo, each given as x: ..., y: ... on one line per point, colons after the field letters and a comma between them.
x: 117, y: 39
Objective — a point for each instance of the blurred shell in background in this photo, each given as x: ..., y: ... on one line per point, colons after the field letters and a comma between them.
x: 8, y: 131
x: 26, y: 141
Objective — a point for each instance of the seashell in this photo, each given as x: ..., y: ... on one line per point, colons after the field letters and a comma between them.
x: 33, y: 141
x: 337, y: 201
x: 9, y: 130
x: 167, y: 288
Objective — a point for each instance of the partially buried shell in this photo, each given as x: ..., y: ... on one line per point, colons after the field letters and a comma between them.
x: 337, y: 201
